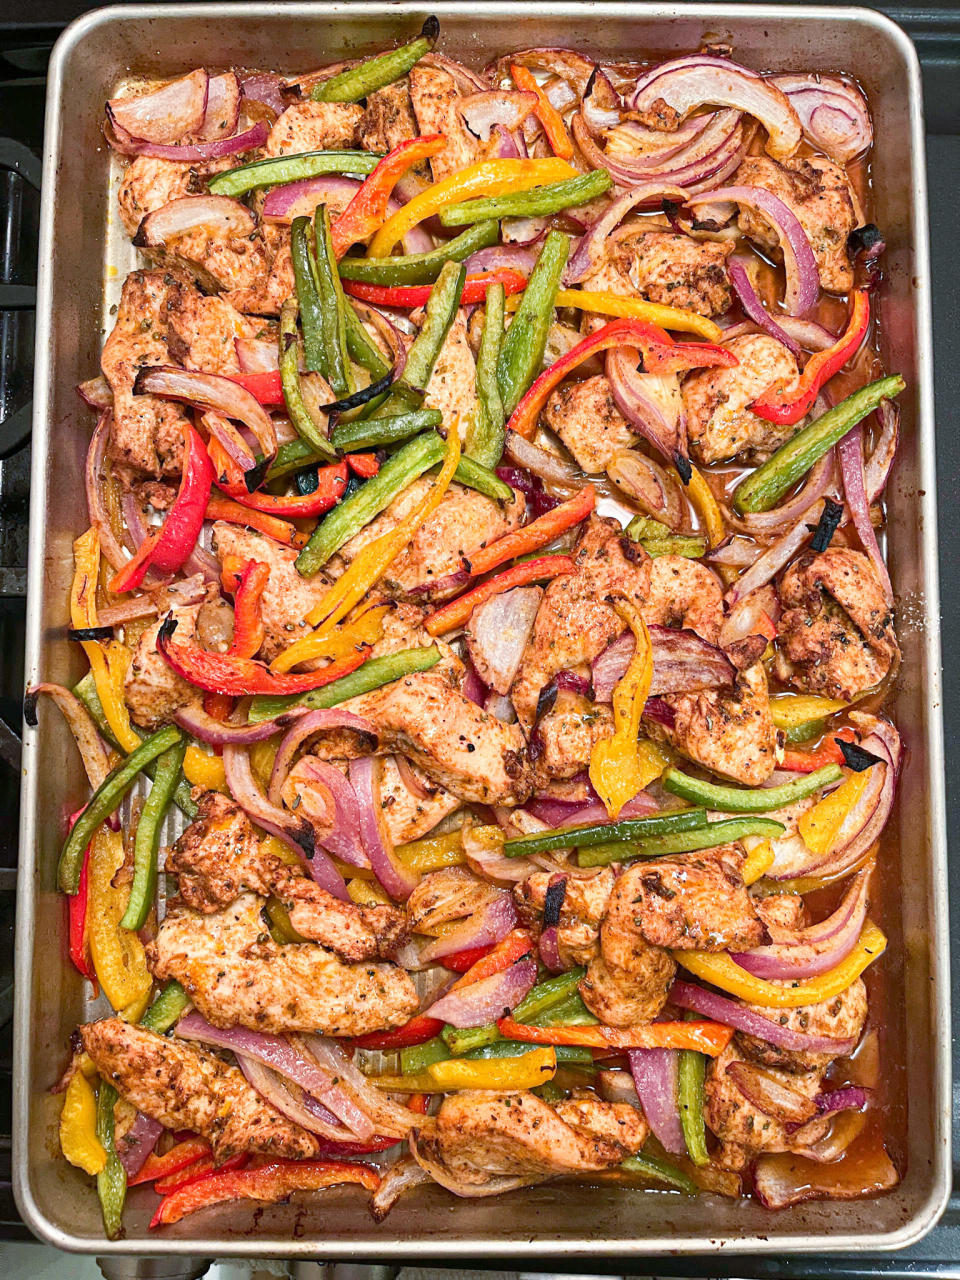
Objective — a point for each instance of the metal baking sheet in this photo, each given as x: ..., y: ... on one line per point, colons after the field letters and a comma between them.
x: 555, y: 1220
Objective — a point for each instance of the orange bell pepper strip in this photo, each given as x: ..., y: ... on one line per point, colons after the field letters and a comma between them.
x: 184, y: 1154
x: 248, y: 629
x: 239, y: 677
x: 418, y: 1102
x: 710, y: 1038
x: 501, y: 956
x: 367, y: 211
x: 534, y: 535
x: 269, y: 1183
x: 265, y: 387
x: 220, y: 507
x: 658, y: 351
x: 550, y: 118
x: 194, y: 1172
x: 458, y: 611
x: 784, y: 404
x: 416, y: 295
x: 828, y: 752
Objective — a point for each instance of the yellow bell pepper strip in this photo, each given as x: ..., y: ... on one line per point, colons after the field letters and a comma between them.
x: 118, y: 955
x: 720, y: 971
x: 204, y: 770
x: 710, y: 1038
x: 701, y: 495
x: 365, y: 630
x: 487, y: 178
x: 758, y: 862
x: 525, y: 1072
x: 821, y: 824
x: 790, y: 710
x: 373, y: 560
x: 78, y: 1126
x: 621, y: 766
x: 112, y: 1178
x: 367, y: 893
x: 551, y: 121
x: 659, y: 352
x: 367, y: 211
x: 432, y: 853
x: 612, y: 304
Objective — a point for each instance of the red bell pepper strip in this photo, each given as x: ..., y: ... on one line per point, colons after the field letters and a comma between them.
x: 703, y: 1037
x: 331, y: 482
x: 501, y: 956
x: 363, y: 465
x: 418, y: 1102
x: 77, y: 908
x: 347, y: 1150
x: 268, y: 1183
x: 247, y: 620
x: 194, y: 1172
x: 238, y: 677
x: 220, y: 507
x: 169, y: 546
x: 458, y: 611
x: 418, y: 1030
x: 785, y: 405
x: 416, y: 295
x: 550, y: 118
x: 534, y: 535
x: 264, y: 387
x: 461, y: 961
x: 659, y: 352
x: 367, y: 211
x: 184, y: 1154
x: 827, y: 753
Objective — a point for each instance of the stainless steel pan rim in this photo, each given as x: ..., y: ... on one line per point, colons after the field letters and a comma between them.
x: 930, y: 939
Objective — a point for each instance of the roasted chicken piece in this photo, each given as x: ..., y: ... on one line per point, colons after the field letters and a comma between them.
x: 616, y: 1122
x: 148, y: 184
x: 716, y: 402
x: 630, y: 993
x: 201, y: 332
x: 313, y: 126
x: 684, y: 593
x: 453, y: 383
x: 566, y: 734
x: 434, y: 98
x: 186, y: 1087
x: 670, y: 269
x: 819, y: 193
x: 287, y: 597
x: 411, y: 813
x: 220, y: 856
x: 584, y: 902
x: 585, y: 417
x: 836, y: 634
x: 237, y: 975
x: 481, y: 1143
x: 842, y: 1017
x: 151, y: 688
x: 388, y: 119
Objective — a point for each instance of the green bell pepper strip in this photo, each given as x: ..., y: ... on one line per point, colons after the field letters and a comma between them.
x: 417, y: 1057
x: 805, y: 732
x: 308, y: 300
x: 297, y: 410
x: 439, y: 314
x: 539, y: 202
x: 659, y: 540
x: 419, y: 268
x: 106, y: 800
x: 755, y: 800
x: 476, y: 476
x: 708, y: 837
x: 567, y: 1053
x: 86, y: 690
x: 373, y: 674
x: 571, y: 1012
x: 377, y: 73
x: 279, y: 170
x: 486, y: 436
x: 690, y: 1076
x: 463, y: 1040
x: 541, y: 998
x: 661, y: 1171
x: 522, y: 352
x: 112, y: 1178
x: 147, y: 841
x: 597, y: 833
x: 166, y: 1009
x: 764, y: 488
x: 294, y: 455
x: 372, y: 433
x: 332, y: 306
x: 359, y: 346
x: 549, y: 1092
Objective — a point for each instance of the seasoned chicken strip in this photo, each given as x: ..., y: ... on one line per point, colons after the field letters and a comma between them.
x: 388, y: 119
x: 186, y: 1087
x: 615, y: 1122
x: 409, y: 815
x: 434, y: 96
x: 220, y: 855
x: 313, y: 126
x: 842, y: 1017
x: 836, y: 634
x: 660, y: 266
x: 202, y: 332
x: 151, y: 688
x: 584, y: 902
x: 585, y: 417
x: 453, y: 383
x: 632, y: 995
x: 720, y: 423
x: 684, y: 593
x: 237, y: 975
x: 149, y: 184
x: 566, y: 735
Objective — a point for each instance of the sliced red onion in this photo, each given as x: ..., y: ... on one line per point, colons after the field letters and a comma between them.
x: 342, y: 839
x: 410, y: 778
x: 401, y: 1177
x: 473, y: 688
x: 601, y: 105
x: 878, y: 466
x: 851, y: 1097
x: 800, y: 266
x: 770, y: 1096
x: 506, y: 144
x: 780, y: 1181
x: 541, y: 462
x: 497, y: 635
x: 210, y: 391
x: 488, y: 999
x: 484, y: 928
x: 505, y: 107
x: 516, y: 256
x: 264, y: 88
x: 496, y: 704
x: 817, y: 485
x: 754, y: 308
x: 96, y: 761
x: 524, y: 231
x: 686, y: 995
x: 570, y: 682
x: 828, y: 943
x: 190, y: 153
x: 850, y: 453
x: 222, y: 112
x: 832, y: 112
x: 660, y: 712
x: 305, y: 727
x: 710, y: 158
x: 398, y: 880
x: 297, y: 831
x: 466, y: 79
x: 165, y: 114
x: 592, y: 247
x: 643, y: 413
x: 550, y: 950
x: 590, y: 814
x: 807, y: 333
x: 206, y: 728
x: 257, y: 355
x: 305, y: 1111
x: 137, y: 1143
x: 96, y: 393
x: 773, y: 560
x: 737, y: 554
x: 655, y: 1073
x: 683, y: 662
x: 220, y: 215
x: 286, y: 202
x: 136, y: 531
x: 93, y: 479
x: 389, y: 1117
x: 701, y: 80
x: 433, y: 588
